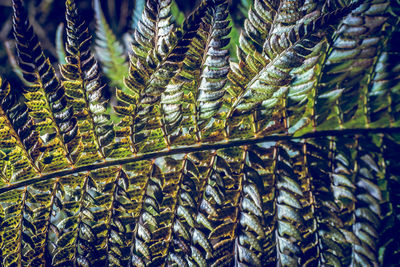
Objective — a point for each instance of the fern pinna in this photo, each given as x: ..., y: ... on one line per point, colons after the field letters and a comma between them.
x: 286, y: 156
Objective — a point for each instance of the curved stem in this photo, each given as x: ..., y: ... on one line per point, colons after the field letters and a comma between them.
x: 197, y: 148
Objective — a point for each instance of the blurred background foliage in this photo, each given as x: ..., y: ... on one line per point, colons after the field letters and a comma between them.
x: 122, y: 15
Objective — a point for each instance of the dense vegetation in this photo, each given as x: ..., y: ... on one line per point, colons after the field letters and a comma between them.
x: 278, y: 146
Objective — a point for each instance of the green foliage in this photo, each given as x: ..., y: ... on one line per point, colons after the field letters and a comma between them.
x: 287, y: 156
x: 109, y: 50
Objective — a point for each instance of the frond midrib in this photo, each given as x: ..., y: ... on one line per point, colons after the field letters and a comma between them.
x: 198, y: 148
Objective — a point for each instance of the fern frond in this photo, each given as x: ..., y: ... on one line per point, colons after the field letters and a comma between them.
x: 45, y: 95
x: 149, y: 79
x: 200, y: 83
x: 215, y: 64
x: 75, y: 245
x: 288, y: 15
x: 20, y: 142
x: 389, y: 253
x: 349, y: 62
x: 19, y: 230
x: 257, y: 26
x: 321, y: 212
x: 368, y: 201
x: 21, y: 151
x: 267, y: 90
x: 296, y: 165
x: 113, y: 226
x: 383, y: 91
x: 159, y: 207
x: 109, y: 50
x: 84, y: 85
x: 283, y: 207
x: 154, y: 29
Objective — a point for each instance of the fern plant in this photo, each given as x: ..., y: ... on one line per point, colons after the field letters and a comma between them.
x: 287, y: 157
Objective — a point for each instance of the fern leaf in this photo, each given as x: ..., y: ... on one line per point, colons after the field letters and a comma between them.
x: 149, y: 78
x: 256, y: 29
x: 154, y: 28
x: 44, y: 92
x: 268, y: 89
x: 368, y: 194
x: 286, y: 216
x: 349, y: 63
x: 216, y: 66
x: 83, y: 83
x: 79, y: 221
x: 110, y: 51
x: 289, y: 168
x: 22, y: 148
x: 147, y: 212
x: 383, y: 90
x: 257, y: 26
x: 325, y: 222
x: 288, y: 15
x: 389, y: 252
x: 17, y: 240
x: 19, y: 138
x: 205, y: 84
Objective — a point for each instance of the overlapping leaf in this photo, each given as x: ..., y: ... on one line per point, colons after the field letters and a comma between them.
x: 83, y: 85
x: 45, y: 95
